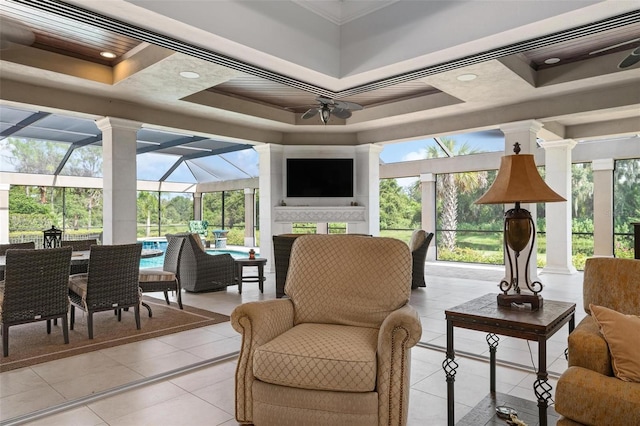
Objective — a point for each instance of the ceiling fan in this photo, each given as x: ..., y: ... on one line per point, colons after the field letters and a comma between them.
x: 12, y: 32
x: 328, y: 107
x: 632, y: 59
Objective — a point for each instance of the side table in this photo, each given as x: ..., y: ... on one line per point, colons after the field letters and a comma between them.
x: 484, y: 314
x: 241, y: 263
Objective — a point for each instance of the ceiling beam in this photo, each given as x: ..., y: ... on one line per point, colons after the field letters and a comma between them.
x: 170, y: 144
x: 24, y: 123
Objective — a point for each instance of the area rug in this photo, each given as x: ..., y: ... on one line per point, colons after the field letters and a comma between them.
x: 29, y: 344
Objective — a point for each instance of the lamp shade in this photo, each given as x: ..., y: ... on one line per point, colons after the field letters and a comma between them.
x: 518, y: 180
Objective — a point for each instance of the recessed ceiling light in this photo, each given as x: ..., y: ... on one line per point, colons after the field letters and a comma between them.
x: 467, y: 77
x: 189, y: 74
x: 109, y: 55
x: 551, y: 61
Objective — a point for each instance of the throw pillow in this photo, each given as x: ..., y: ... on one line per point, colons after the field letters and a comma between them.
x: 622, y: 333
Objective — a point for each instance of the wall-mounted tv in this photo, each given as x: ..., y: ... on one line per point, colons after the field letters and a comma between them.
x: 319, y: 177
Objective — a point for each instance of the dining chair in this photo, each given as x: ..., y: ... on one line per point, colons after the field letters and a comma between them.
x: 34, y: 289
x: 419, y: 245
x: 165, y: 279
x: 5, y: 247
x: 111, y: 282
x: 79, y: 245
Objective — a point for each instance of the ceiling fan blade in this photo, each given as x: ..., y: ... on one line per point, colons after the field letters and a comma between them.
x: 630, y: 60
x: 325, y: 101
x: 348, y: 105
x: 341, y: 113
x: 310, y: 113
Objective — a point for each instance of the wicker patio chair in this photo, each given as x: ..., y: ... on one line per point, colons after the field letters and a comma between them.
x: 111, y: 283
x: 199, y: 271
x: 281, y: 255
x: 35, y: 289
x: 166, y: 279
x: 79, y: 245
x: 419, y: 245
x: 5, y: 247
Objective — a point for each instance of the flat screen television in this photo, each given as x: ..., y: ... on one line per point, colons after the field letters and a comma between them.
x: 319, y: 177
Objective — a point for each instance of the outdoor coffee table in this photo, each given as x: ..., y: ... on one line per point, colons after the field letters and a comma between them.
x: 484, y: 314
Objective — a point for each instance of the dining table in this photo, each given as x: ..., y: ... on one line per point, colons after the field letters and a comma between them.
x: 82, y: 257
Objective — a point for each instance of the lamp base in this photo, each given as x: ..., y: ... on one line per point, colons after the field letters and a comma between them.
x: 535, y: 300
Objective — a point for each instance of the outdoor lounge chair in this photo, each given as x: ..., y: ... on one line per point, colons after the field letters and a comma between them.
x: 199, y: 271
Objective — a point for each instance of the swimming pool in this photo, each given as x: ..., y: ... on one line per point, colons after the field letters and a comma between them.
x: 157, y: 262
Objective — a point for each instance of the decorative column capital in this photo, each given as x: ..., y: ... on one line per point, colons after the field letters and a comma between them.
x: 602, y: 164
x: 249, y: 191
x: 427, y: 177
x: 106, y: 123
x: 370, y: 148
x: 569, y: 144
x: 520, y: 126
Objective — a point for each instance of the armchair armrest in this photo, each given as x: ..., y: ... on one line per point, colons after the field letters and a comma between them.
x: 258, y: 322
x: 399, y: 332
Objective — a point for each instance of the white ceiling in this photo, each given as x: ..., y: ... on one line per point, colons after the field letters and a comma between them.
x: 338, y: 46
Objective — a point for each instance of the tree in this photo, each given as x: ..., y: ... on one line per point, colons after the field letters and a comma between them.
x: 147, y: 205
x: 449, y: 185
x: 397, y: 209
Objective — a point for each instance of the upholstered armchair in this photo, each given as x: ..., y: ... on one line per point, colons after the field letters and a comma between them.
x: 199, y: 271
x: 419, y: 244
x: 337, y: 351
x: 588, y: 392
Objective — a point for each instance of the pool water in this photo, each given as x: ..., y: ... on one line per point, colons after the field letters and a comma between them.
x: 157, y: 262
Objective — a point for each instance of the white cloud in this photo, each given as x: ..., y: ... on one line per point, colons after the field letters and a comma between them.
x: 414, y: 155
x: 406, y: 182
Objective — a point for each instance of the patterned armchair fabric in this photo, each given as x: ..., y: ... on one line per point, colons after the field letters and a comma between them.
x: 337, y: 351
x: 199, y: 271
x: 588, y: 393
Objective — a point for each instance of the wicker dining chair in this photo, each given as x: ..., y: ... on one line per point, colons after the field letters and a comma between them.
x: 164, y: 279
x: 79, y: 245
x: 35, y: 289
x: 110, y: 283
x: 5, y: 247
x: 419, y: 245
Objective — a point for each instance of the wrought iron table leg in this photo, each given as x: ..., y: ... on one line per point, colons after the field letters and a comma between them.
x: 449, y: 365
x: 492, y: 340
x: 541, y: 386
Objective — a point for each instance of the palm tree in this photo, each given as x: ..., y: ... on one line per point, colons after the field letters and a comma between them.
x: 449, y: 185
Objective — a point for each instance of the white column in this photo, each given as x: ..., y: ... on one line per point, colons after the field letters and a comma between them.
x: 249, y: 202
x: 197, y: 206
x: 428, y: 217
x: 525, y: 133
x: 119, y: 179
x: 367, y: 189
x: 603, y: 207
x: 271, y: 186
x: 558, y: 215
x: 4, y: 213
x: 322, y: 228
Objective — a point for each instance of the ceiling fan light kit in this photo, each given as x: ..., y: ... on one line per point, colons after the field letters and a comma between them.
x: 328, y: 107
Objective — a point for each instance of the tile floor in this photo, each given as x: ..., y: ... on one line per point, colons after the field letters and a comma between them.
x: 126, y: 385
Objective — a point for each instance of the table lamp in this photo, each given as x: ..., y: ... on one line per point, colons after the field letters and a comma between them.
x: 518, y: 181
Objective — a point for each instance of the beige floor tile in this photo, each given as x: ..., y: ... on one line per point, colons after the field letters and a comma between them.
x: 135, y: 400
x: 216, y: 349
x: 223, y: 328
x: 164, y: 363
x: 187, y: 410
x: 138, y: 351
x: 79, y: 365
x: 205, y: 377
x: 222, y: 395
x: 427, y: 409
x: 191, y: 338
x: 81, y: 416
x: 26, y: 402
x: 18, y: 381
x: 77, y: 386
